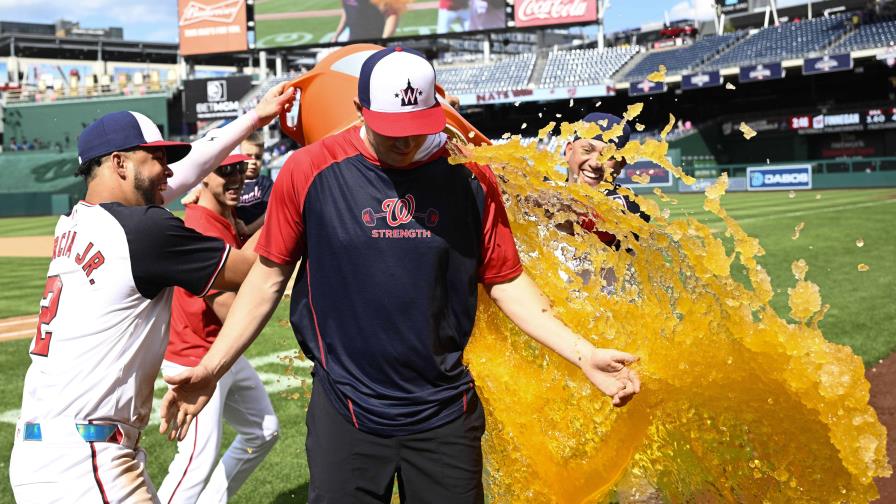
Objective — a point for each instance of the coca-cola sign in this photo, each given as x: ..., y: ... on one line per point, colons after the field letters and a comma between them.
x: 553, y: 12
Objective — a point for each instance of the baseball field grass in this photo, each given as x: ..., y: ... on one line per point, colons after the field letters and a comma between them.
x: 834, y: 222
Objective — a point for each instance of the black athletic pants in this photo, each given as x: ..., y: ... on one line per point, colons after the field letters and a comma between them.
x: 443, y: 465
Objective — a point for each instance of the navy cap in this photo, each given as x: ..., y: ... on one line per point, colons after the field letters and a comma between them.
x: 611, y: 120
x: 397, y: 91
x: 119, y: 131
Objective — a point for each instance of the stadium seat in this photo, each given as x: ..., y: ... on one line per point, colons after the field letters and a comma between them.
x: 786, y: 41
x: 582, y: 67
x: 503, y: 74
x: 683, y: 59
x: 872, y: 35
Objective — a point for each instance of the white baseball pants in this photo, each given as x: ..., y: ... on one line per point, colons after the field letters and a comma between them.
x: 242, y: 401
x: 63, y: 468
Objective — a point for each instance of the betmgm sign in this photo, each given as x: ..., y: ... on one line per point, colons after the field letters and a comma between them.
x: 212, y: 99
x: 779, y: 178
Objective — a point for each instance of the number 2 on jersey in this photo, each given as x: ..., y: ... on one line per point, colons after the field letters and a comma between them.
x: 48, y: 307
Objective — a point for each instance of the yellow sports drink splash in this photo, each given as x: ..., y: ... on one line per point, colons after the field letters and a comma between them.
x: 737, y: 404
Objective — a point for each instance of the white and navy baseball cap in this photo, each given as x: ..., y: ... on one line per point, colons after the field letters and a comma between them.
x: 123, y: 130
x: 397, y: 91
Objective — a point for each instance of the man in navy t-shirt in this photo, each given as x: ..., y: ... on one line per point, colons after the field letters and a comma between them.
x: 393, y: 242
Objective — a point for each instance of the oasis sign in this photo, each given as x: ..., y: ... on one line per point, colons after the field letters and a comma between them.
x: 776, y: 178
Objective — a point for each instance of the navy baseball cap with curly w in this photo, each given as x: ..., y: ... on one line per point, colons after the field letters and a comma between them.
x: 123, y: 130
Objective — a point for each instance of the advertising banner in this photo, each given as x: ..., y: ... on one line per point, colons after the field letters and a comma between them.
x: 735, y: 184
x: 322, y: 22
x: 659, y: 176
x: 701, y: 80
x: 827, y: 64
x: 646, y: 87
x: 210, y: 99
x: 777, y: 178
x: 732, y: 6
x: 537, y: 94
x: 528, y: 13
x: 212, y: 26
x: 882, y: 118
x: 755, y: 73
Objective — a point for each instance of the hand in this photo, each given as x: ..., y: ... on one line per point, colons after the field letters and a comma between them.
x: 277, y: 99
x: 606, y: 368
x: 190, y: 392
x: 241, y: 229
x: 191, y: 197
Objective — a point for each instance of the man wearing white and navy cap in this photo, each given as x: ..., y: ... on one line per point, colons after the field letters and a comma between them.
x: 394, y: 241
x: 104, y: 316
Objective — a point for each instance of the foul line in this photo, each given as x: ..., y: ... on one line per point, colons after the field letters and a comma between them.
x: 273, y: 382
x: 721, y: 226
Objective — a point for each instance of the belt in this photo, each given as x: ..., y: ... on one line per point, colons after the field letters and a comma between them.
x: 92, y: 433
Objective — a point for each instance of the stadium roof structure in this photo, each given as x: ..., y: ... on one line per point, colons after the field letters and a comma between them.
x: 756, y: 18
x: 45, y: 46
x: 48, y: 46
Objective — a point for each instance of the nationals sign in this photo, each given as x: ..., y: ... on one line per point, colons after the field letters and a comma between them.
x: 553, y: 12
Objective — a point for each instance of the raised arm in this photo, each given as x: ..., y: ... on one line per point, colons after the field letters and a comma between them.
x: 525, y: 305
x: 217, y: 144
x: 251, y: 310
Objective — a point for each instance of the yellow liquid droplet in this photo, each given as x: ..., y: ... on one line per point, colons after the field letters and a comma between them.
x: 746, y: 130
x: 863, y: 267
x: 659, y: 75
x: 698, y: 429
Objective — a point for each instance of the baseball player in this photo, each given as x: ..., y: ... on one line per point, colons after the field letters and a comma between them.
x: 394, y: 241
x: 104, y: 315
x: 240, y: 397
x: 585, y: 167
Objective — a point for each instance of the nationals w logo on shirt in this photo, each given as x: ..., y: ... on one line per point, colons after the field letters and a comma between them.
x: 398, y: 211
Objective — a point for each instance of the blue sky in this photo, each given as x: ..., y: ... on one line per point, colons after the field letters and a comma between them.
x: 154, y: 20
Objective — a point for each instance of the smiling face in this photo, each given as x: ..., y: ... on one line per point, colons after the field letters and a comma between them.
x: 225, y: 184
x: 583, y: 157
x: 149, y: 171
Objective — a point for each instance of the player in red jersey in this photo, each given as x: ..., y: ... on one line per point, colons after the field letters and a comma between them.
x: 240, y: 397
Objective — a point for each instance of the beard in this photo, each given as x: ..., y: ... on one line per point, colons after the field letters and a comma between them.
x: 147, y: 189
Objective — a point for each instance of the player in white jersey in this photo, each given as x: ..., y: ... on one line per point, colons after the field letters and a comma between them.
x: 104, y: 315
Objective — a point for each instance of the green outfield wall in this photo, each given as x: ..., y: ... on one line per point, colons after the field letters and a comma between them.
x: 58, y: 124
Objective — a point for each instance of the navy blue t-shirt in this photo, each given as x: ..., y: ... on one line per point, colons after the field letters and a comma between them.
x: 385, y: 298
x: 254, y: 199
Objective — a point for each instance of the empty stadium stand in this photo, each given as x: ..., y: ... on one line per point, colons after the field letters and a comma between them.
x: 512, y: 72
x: 681, y: 59
x: 786, y: 41
x: 580, y: 67
x: 879, y: 34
